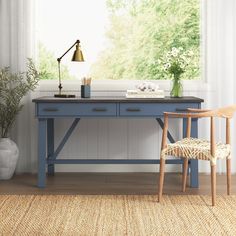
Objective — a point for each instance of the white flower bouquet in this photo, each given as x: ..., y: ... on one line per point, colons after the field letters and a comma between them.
x: 175, y: 63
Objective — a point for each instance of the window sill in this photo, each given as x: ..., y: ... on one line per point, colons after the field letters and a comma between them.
x: 119, y: 85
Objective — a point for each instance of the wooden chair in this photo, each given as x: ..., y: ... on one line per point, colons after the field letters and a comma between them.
x: 193, y: 148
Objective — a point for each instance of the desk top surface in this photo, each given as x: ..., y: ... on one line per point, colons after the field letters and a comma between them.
x: 186, y: 99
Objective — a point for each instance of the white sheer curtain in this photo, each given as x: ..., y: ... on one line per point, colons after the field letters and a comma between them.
x: 16, y: 45
x: 220, y: 63
x: 17, y: 34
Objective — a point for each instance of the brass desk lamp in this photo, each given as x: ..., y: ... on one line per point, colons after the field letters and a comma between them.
x: 77, y: 56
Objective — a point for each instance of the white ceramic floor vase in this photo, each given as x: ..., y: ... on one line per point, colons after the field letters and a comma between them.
x: 9, y: 154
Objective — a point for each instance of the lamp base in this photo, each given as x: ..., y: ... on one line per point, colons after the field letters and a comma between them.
x: 64, y: 95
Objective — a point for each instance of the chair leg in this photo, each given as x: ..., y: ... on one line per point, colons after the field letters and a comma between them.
x: 228, y: 166
x: 161, y: 178
x: 185, y: 173
x: 213, y: 184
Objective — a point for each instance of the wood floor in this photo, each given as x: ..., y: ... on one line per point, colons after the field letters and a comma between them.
x: 109, y: 183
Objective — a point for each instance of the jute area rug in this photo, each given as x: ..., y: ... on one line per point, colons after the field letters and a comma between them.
x: 116, y: 215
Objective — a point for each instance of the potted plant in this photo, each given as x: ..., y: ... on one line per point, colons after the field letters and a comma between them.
x: 175, y: 63
x: 13, y: 87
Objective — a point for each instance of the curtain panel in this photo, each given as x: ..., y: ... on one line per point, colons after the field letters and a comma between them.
x: 220, y: 63
x: 17, y: 43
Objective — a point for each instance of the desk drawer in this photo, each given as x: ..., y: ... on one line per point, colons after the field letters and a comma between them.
x: 152, y: 109
x: 76, y: 109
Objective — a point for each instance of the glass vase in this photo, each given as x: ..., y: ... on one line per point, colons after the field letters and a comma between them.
x: 177, y: 88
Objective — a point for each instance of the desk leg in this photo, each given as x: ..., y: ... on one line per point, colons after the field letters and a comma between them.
x: 50, y: 143
x: 42, y: 127
x: 194, y: 163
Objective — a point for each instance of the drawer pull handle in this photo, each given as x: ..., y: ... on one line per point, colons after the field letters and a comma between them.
x: 99, y: 109
x: 133, y: 109
x: 181, y: 110
x: 50, y: 109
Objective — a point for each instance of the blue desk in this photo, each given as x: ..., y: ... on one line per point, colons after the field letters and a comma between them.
x: 50, y: 108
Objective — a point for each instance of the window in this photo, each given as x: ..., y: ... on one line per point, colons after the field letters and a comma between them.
x: 120, y: 39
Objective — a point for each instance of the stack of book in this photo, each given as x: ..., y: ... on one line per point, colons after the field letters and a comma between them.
x: 145, y: 94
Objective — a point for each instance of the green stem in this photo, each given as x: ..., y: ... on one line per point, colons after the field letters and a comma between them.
x: 177, y: 88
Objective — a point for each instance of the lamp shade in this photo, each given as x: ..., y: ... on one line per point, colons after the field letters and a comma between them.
x: 78, y: 55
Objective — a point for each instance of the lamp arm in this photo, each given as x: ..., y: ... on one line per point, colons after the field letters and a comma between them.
x: 59, y: 75
x: 59, y: 64
x: 59, y: 58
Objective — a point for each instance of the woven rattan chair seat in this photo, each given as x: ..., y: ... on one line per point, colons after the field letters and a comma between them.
x: 193, y: 148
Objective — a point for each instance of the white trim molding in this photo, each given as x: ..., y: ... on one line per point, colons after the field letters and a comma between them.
x: 119, y: 85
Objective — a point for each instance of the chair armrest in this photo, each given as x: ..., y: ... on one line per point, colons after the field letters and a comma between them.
x: 225, y: 112
x: 197, y: 110
x: 188, y: 115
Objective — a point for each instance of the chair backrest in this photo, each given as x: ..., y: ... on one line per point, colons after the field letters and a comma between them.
x: 224, y: 112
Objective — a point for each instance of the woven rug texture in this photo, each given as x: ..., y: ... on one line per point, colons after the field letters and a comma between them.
x: 116, y: 215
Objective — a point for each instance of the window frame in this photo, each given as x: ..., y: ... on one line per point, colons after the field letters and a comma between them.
x: 120, y: 86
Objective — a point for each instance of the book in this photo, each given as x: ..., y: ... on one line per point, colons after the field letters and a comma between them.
x: 145, y: 94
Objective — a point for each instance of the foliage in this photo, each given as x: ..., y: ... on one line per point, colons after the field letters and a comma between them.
x: 13, y: 87
x: 48, y: 66
x: 176, y: 62
x: 142, y: 31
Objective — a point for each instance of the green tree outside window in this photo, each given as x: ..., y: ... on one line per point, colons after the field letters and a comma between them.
x: 141, y: 32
